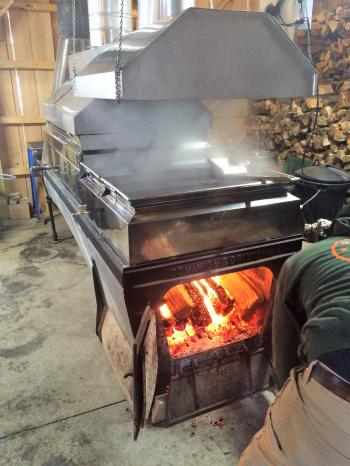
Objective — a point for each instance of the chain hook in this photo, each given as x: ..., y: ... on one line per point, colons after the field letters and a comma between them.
x: 118, y: 66
x: 74, y: 47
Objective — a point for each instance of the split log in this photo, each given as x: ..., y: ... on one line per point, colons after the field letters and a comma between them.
x: 223, y: 305
x: 322, y: 121
x: 247, y: 296
x: 345, y: 126
x: 305, y: 119
x: 339, y: 136
x: 311, y: 103
x: 333, y: 25
x: 324, y: 89
x: 327, y: 112
x: 179, y: 302
x: 297, y: 148
x: 321, y: 17
x: 317, y: 143
x: 326, y: 142
x: 343, y: 156
x: 345, y: 86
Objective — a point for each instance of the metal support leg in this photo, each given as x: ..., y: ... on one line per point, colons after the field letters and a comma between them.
x: 49, y: 202
x: 52, y: 220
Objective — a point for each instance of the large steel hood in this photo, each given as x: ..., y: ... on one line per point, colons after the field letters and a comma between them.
x: 100, y: 124
x: 202, y: 54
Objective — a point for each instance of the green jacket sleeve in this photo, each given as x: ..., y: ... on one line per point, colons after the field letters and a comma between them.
x: 285, y: 326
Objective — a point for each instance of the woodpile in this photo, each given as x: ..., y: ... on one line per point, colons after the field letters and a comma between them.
x: 286, y: 126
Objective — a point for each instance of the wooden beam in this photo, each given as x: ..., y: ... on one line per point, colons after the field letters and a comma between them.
x: 26, y: 65
x: 4, y: 6
x: 33, y: 6
x: 3, y: 198
x: 19, y: 120
x: 17, y: 171
x: 223, y: 4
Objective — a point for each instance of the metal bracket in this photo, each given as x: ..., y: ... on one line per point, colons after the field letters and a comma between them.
x: 138, y: 369
x: 247, y: 354
x: 194, y: 382
x: 101, y: 304
x: 49, y: 202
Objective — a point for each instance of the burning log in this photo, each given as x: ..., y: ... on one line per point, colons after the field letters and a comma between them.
x: 244, y: 294
x: 180, y: 302
x: 260, y: 278
x: 200, y: 317
x: 186, y: 303
x: 223, y: 304
x: 262, y: 287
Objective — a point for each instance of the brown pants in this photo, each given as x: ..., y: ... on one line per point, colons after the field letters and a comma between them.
x: 307, y: 425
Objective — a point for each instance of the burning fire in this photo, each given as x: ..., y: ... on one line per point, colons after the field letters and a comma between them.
x: 165, y: 312
x: 215, y: 311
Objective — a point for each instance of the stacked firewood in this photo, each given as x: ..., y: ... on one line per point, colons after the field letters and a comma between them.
x: 286, y: 126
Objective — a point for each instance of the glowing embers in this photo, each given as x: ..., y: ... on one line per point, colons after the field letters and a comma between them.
x: 215, y: 311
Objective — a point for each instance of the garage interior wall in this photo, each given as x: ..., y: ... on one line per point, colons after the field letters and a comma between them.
x: 27, y: 60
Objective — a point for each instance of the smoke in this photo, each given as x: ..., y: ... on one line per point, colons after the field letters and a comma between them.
x: 161, y: 148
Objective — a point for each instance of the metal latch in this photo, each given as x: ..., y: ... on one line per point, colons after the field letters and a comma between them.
x: 82, y: 210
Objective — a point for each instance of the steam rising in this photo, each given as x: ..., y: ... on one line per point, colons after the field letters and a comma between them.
x: 175, y: 146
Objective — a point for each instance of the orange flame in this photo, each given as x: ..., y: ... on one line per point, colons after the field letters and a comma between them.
x: 190, y: 330
x: 178, y: 336
x: 212, y: 296
x: 165, y: 312
x: 216, y: 319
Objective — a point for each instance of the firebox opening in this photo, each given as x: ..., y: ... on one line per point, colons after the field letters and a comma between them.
x: 212, y: 312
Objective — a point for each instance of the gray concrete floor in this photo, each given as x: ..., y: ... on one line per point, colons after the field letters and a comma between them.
x: 60, y: 403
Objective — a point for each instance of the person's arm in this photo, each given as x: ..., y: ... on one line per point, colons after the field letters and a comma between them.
x: 285, y: 330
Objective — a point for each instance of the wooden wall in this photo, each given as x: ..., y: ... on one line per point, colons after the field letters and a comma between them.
x: 27, y: 57
x: 329, y: 5
x: 240, y: 5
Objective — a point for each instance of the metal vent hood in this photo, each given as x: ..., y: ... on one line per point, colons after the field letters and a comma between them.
x: 202, y: 54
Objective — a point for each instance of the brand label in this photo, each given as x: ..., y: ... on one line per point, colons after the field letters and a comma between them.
x: 219, y: 262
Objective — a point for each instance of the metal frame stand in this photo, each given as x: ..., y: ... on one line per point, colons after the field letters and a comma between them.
x: 55, y: 239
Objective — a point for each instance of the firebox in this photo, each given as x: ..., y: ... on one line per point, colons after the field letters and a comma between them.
x: 203, y: 330
x: 211, y: 312
x: 211, y: 334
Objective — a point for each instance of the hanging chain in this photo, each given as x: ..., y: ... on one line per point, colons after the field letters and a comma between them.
x: 74, y: 48
x: 118, y: 65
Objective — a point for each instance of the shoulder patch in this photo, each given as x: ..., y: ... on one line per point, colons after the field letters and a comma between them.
x: 341, y: 250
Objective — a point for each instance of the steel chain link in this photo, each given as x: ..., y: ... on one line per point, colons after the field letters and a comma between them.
x: 74, y: 48
x: 118, y: 65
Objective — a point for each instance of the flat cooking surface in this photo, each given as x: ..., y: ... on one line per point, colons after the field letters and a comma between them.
x: 140, y: 185
x: 135, y: 190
